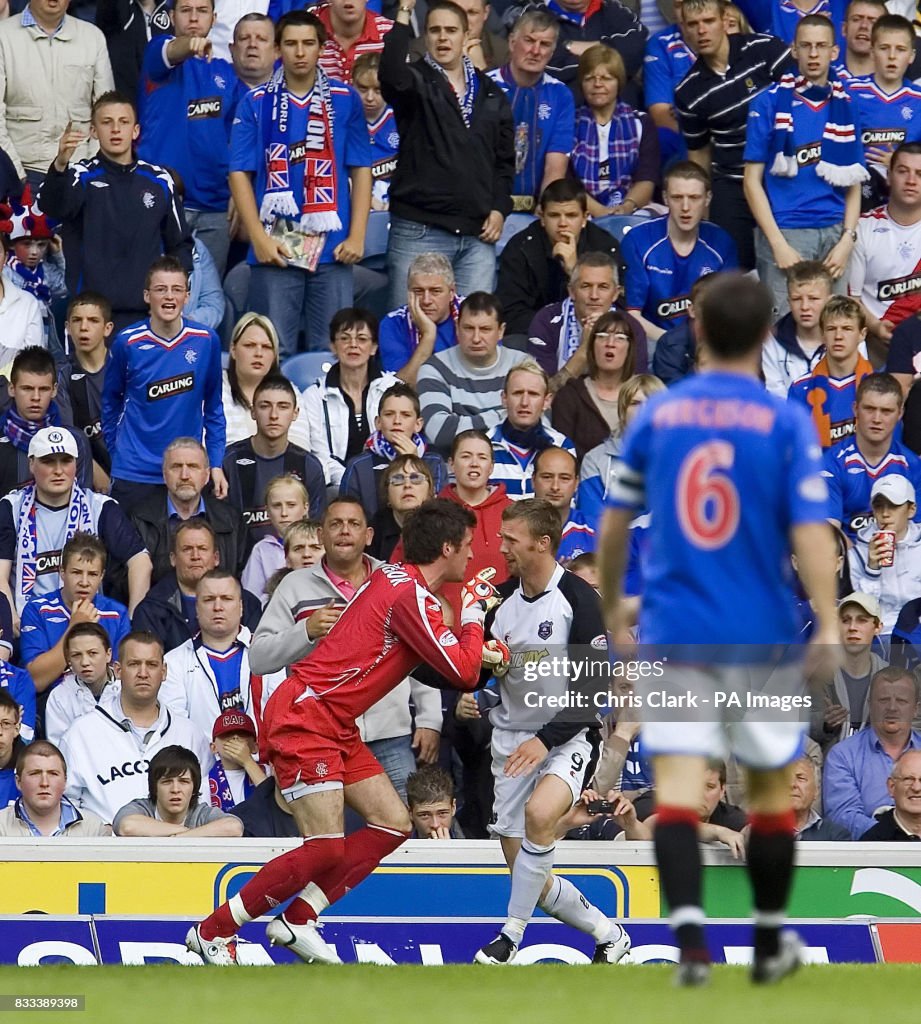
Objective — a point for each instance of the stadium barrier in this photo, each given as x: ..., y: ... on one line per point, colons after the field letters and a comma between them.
x: 435, y: 880
x: 39, y: 941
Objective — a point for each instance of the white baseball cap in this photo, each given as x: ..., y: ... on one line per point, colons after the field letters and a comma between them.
x: 53, y: 441
x: 866, y: 601
x: 894, y: 488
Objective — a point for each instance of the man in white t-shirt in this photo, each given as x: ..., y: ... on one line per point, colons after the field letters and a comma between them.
x: 885, y: 268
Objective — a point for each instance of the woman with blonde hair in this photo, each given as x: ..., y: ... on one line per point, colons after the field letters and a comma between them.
x: 253, y: 356
x: 616, y: 148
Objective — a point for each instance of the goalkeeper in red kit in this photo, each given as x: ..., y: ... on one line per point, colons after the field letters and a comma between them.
x: 310, y: 738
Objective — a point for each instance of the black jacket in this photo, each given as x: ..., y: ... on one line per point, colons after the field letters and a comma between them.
x: 150, y: 520
x: 161, y: 613
x: 124, y: 24
x: 530, y: 277
x: 116, y: 221
x: 447, y: 176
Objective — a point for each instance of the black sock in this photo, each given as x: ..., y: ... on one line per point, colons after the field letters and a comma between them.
x: 678, y: 857
x: 771, y: 850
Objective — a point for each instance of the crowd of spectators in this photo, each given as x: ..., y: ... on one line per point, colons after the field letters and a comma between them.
x: 276, y: 273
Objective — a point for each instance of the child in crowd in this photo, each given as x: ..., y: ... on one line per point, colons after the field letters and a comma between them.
x: 36, y: 262
x: 303, y: 546
x: 235, y: 772
x: 382, y: 127
x: 286, y: 502
x: 830, y: 389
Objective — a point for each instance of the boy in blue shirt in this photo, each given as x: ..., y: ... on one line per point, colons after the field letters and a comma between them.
x: 382, y: 127
x: 804, y: 164
x: 666, y: 256
x: 890, y: 105
x: 829, y: 391
x: 186, y: 103
x: 300, y: 176
x: 163, y: 381
x: 731, y: 476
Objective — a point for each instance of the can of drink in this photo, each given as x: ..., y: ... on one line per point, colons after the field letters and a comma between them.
x: 887, y: 555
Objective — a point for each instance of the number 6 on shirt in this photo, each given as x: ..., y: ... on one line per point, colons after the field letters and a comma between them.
x: 706, y: 498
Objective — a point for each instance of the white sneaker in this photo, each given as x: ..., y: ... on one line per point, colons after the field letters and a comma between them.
x: 614, y: 950
x: 218, y: 951
x: 304, y: 940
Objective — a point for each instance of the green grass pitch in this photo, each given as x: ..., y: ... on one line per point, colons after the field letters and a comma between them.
x: 366, y: 994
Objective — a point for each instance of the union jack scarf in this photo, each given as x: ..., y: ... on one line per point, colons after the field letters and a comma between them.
x: 841, y: 162
x: 623, y: 147
x: 301, y: 177
x: 471, y: 86
x: 79, y: 518
x: 219, y: 787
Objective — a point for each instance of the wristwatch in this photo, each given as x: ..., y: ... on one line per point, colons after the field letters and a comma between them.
x: 851, y: 232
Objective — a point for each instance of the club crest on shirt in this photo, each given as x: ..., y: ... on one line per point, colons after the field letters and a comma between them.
x: 543, y: 111
x: 148, y: 200
x: 191, y: 355
x: 907, y: 113
x: 321, y: 770
x: 161, y: 20
x: 545, y: 629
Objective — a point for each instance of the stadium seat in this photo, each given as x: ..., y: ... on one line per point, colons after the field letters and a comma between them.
x: 619, y: 226
x: 375, y: 257
x: 514, y: 223
x: 304, y: 368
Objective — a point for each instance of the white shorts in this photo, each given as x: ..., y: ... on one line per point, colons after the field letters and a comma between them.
x: 568, y: 762
x: 759, y: 738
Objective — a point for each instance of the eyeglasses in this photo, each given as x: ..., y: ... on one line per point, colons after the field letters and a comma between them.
x: 398, y: 479
x: 362, y: 339
x: 600, y: 79
x: 7, y: 726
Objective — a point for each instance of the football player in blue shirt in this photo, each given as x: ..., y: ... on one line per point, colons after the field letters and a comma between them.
x: 186, y: 103
x: 163, y: 381
x: 731, y: 476
x: 542, y: 107
x: 300, y: 166
x: 890, y: 105
x: 665, y: 256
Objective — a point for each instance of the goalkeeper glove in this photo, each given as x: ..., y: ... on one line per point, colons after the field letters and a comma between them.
x: 496, y: 657
x: 478, y: 596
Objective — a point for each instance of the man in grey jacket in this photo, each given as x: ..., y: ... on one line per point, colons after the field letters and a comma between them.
x: 304, y: 608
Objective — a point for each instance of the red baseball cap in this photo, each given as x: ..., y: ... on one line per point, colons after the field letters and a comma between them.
x: 232, y: 721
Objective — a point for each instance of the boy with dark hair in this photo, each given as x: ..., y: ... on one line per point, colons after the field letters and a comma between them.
x: 300, y: 176
x: 397, y: 431
x: 89, y: 326
x: 33, y: 388
x: 430, y: 798
x: 46, y: 619
x: 119, y: 213
x: 251, y: 463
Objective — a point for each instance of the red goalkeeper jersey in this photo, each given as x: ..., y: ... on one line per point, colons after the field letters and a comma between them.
x: 391, y: 625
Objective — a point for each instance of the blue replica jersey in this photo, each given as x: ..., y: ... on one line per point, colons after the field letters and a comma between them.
x: 157, y: 389
x: 385, y: 145
x: 19, y: 684
x: 829, y: 400
x: 886, y: 119
x: 668, y: 59
x: 658, y: 281
x: 185, y: 112
x: 851, y: 478
x: 725, y: 470
x: 578, y: 538
x: 397, y: 342
x: 226, y: 667
x: 544, y: 116
x: 350, y: 145
x: 804, y: 201
x: 46, y: 619
x: 785, y: 16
